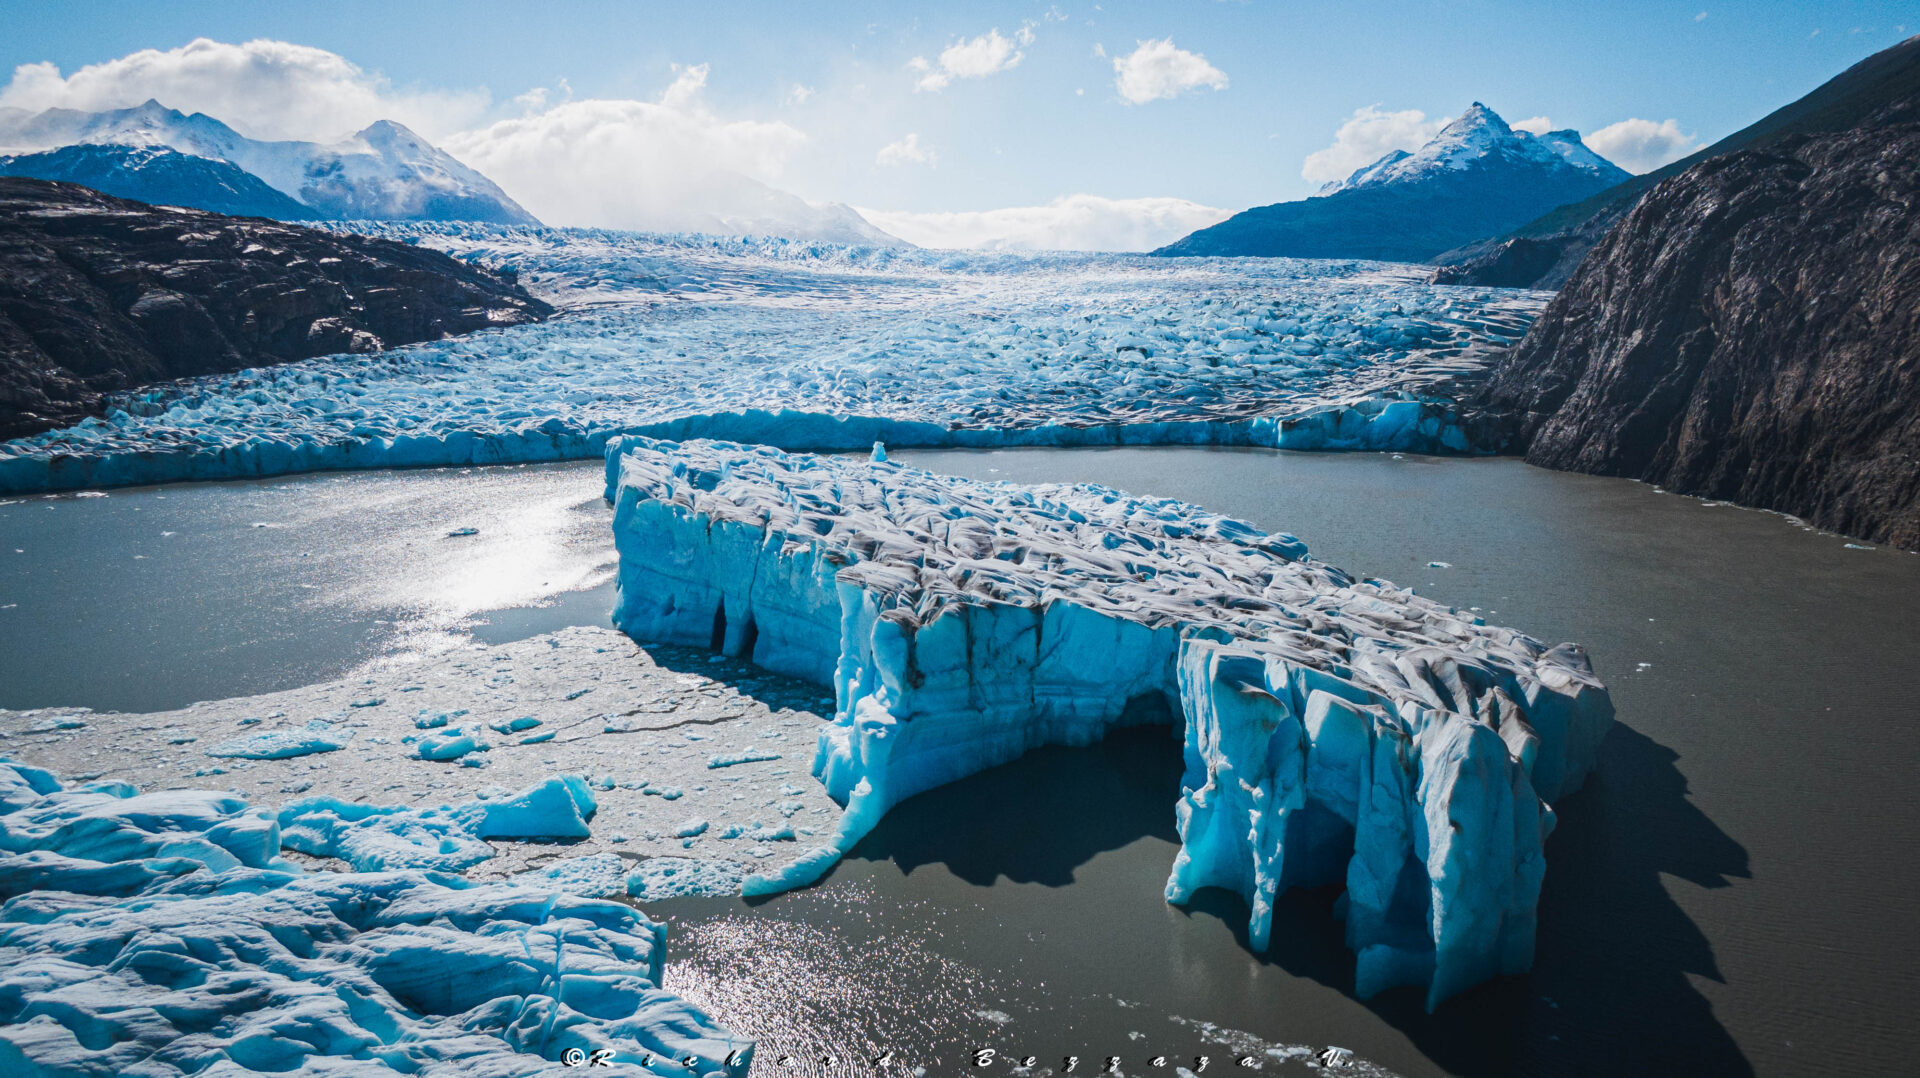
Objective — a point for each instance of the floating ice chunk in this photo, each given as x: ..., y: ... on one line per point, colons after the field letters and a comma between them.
x: 1336, y: 731
x: 514, y: 726
x: 317, y: 736
x: 691, y: 829
x: 426, y: 720
x: 371, y: 701
x: 659, y: 878
x: 448, y: 744
x: 459, y: 533
x: 375, y: 838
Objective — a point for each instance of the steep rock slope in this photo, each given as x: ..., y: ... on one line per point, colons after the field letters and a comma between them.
x: 162, y: 177
x: 1749, y: 331
x: 1543, y: 253
x: 99, y: 294
x: 1477, y: 178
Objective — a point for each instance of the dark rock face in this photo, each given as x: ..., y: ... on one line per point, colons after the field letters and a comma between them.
x: 98, y: 294
x: 1554, y: 243
x: 1544, y: 262
x: 1749, y: 331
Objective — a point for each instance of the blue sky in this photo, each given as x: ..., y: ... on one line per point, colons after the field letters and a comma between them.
x: 831, y: 86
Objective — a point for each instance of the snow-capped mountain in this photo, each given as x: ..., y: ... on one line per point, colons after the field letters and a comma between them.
x: 384, y: 172
x: 1480, y: 139
x: 161, y: 176
x: 1476, y: 178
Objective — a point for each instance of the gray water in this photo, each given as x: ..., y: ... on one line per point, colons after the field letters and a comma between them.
x: 151, y: 598
x: 1732, y: 892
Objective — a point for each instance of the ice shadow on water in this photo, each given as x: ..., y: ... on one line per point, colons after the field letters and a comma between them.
x: 1037, y: 819
x: 1609, y: 993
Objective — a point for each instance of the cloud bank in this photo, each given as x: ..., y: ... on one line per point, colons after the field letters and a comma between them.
x: 1070, y: 223
x: 1641, y: 145
x: 263, y: 89
x: 1367, y: 136
x: 1158, y: 69
x: 629, y: 164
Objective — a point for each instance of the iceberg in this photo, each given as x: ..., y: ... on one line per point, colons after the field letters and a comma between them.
x: 161, y: 934
x: 1336, y: 731
x: 818, y: 347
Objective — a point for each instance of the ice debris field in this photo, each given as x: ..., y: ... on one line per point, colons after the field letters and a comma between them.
x: 165, y: 934
x: 821, y: 347
x: 1336, y: 731
x: 687, y: 755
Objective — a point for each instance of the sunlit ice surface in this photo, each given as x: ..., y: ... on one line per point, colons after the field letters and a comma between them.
x: 662, y: 330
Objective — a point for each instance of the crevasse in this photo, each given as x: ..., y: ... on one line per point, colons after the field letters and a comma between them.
x: 1334, y: 730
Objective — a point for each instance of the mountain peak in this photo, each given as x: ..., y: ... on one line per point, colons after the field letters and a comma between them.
x: 1479, y: 139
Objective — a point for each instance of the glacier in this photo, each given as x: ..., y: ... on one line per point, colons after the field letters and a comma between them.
x: 163, y: 934
x: 1335, y: 730
x: 819, y: 347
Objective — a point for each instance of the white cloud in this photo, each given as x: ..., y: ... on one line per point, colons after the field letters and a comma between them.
x: 1367, y: 136
x: 1159, y: 69
x: 798, y: 94
x: 1533, y: 125
x: 1702, y: 17
x: 906, y: 151
x: 1069, y: 223
x: 665, y: 164
x: 974, y: 58
x: 1641, y: 145
x: 264, y: 89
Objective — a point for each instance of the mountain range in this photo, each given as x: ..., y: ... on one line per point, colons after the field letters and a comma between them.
x: 1478, y: 177
x: 384, y: 172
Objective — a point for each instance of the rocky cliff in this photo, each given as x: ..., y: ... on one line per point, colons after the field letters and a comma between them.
x: 1544, y: 252
x: 98, y: 294
x: 1749, y: 331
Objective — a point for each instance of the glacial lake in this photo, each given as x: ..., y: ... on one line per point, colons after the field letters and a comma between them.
x: 1732, y: 892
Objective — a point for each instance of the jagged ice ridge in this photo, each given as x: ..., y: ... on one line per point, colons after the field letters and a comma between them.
x: 1336, y: 730
x: 822, y: 347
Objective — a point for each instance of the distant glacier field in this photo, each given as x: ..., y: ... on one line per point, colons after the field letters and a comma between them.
x: 809, y: 346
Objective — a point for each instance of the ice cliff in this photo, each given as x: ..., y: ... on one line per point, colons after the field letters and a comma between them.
x: 816, y: 347
x: 1336, y: 730
x: 163, y: 934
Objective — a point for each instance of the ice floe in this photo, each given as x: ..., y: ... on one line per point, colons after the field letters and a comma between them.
x: 1336, y: 730
x: 162, y: 934
x: 812, y: 346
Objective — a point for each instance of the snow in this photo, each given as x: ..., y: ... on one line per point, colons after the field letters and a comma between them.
x: 1335, y: 730
x: 819, y: 347
x: 162, y: 934
x: 1478, y: 135
x: 384, y: 171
